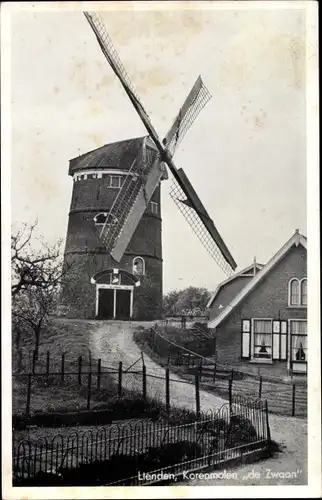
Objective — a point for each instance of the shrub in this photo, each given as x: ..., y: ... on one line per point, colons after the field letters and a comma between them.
x: 118, y: 466
x: 240, y: 431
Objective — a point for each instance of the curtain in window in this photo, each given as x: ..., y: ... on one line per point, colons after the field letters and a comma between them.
x: 295, y: 289
x: 262, y: 338
x: 304, y: 293
x: 299, y: 327
x: 299, y: 340
x: 299, y: 348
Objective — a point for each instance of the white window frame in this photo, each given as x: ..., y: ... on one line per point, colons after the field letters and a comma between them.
x: 291, y: 361
x: 299, y: 298
x: 143, y: 265
x: 119, y: 177
x: 253, y: 357
x: 100, y: 223
x: 154, y: 207
x: 114, y: 288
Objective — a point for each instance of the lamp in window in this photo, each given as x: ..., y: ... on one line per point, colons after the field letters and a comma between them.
x: 300, y: 354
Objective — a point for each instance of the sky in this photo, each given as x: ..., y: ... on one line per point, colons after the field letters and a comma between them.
x: 245, y: 154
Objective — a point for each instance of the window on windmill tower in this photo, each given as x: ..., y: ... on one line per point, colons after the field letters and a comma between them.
x: 115, y: 181
x: 138, y: 265
x: 100, y: 218
x: 154, y: 207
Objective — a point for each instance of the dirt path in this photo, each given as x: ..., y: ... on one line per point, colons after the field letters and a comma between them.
x: 114, y: 341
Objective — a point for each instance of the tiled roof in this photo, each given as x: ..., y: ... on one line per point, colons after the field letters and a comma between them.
x: 118, y: 155
x: 296, y: 239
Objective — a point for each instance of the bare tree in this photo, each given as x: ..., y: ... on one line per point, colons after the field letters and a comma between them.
x: 37, y: 275
x: 40, y: 268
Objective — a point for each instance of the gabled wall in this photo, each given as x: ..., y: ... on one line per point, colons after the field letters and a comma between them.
x: 268, y: 299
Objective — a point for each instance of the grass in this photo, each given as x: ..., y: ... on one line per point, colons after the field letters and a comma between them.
x: 63, y: 336
x: 48, y: 394
x: 278, y: 394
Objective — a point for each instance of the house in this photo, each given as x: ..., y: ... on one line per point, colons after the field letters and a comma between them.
x: 259, y: 316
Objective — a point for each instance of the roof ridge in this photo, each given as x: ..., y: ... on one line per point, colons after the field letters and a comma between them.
x: 295, y: 239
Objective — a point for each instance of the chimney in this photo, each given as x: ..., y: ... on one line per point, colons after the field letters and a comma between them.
x: 254, y: 266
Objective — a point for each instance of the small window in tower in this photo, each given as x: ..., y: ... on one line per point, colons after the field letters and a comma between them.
x: 115, y: 181
x: 138, y: 266
x: 154, y: 207
x: 100, y: 218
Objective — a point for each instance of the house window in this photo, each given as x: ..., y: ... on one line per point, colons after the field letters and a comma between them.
x: 297, y: 292
x: 115, y: 181
x: 304, y: 292
x: 298, y: 331
x: 154, y: 207
x: 262, y: 339
x: 138, y: 266
x: 294, y: 292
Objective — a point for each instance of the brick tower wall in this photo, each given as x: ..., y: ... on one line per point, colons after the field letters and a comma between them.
x: 86, y: 256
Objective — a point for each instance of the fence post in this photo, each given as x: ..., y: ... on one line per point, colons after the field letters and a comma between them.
x: 267, y: 422
x: 167, y: 390
x: 260, y: 387
x: 99, y: 370
x: 47, y: 362
x: 197, y: 395
x: 230, y: 392
x: 28, y: 395
x: 232, y: 375
x: 119, y: 387
x: 144, y: 382
x: 214, y: 378
x: 89, y: 390
x: 293, y: 400
x: 80, y: 370
x: 62, y: 367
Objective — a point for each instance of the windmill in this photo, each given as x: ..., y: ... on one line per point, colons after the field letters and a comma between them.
x: 148, y: 167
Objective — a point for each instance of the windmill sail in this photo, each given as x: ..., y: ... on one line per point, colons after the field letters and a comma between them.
x: 129, y: 213
x: 198, y: 218
x: 194, y: 103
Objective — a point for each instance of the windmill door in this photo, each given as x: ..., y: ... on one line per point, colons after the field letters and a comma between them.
x: 123, y: 304
x: 106, y: 303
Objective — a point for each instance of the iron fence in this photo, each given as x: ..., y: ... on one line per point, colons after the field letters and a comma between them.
x: 283, y: 397
x: 120, y: 454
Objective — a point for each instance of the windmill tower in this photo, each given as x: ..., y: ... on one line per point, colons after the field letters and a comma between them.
x: 113, y: 247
